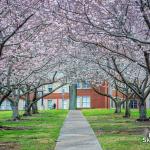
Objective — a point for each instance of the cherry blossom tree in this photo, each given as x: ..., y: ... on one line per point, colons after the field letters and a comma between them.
x: 119, y: 27
x: 30, y: 46
x: 120, y: 31
x: 92, y: 64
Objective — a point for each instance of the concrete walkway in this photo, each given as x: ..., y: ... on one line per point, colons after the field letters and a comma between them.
x: 76, y: 134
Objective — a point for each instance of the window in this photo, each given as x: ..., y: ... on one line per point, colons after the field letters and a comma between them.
x: 78, y: 85
x: 83, y: 102
x: 65, y: 104
x: 40, y: 93
x: 86, y: 102
x: 49, y: 88
x: 112, y: 103
x: 79, y: 102
x: 133, y: 104
x: 50, y: 104
x: 85, y: 84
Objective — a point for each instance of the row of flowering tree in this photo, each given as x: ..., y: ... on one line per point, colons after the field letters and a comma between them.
x: 30, y: 50
x: 115, y: 38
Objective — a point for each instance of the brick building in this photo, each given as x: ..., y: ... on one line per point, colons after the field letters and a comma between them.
x: 86, y: 97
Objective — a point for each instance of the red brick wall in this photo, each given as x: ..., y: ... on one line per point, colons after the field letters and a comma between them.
x: 117, y: 93
x: 57, y: 96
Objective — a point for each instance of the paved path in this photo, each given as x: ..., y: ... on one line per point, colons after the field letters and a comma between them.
x: 76, y: 134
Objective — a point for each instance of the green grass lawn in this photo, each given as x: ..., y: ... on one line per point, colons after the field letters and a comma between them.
x: 115, y: 132
x: 38, y: 132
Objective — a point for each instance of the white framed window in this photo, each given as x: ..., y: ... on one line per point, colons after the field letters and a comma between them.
x: 50, y: 104
x: 83, y: 102
x: 85, y: 85
x: 86, y: 102
x: 65, y: 104
x: 79, y: 85
x: 79, y: 101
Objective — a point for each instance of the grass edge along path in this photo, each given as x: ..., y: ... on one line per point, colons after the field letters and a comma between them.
x: 115, y: 132
x: 38, y: 132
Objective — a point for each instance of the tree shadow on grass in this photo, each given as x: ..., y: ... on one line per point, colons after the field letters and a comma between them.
x: 14, y: 128
x: 9, y: 146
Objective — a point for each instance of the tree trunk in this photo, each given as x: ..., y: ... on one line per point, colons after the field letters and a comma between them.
x: 35, y: 108
x: 27, y: 104
x: 127, y: 109
x: 27, y: 112
x: 117, y: 107
x: 34, y: 105
x: 15, y: 115
x: 142, y: 111
x: 29, y: 109
x: 14, y: 105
